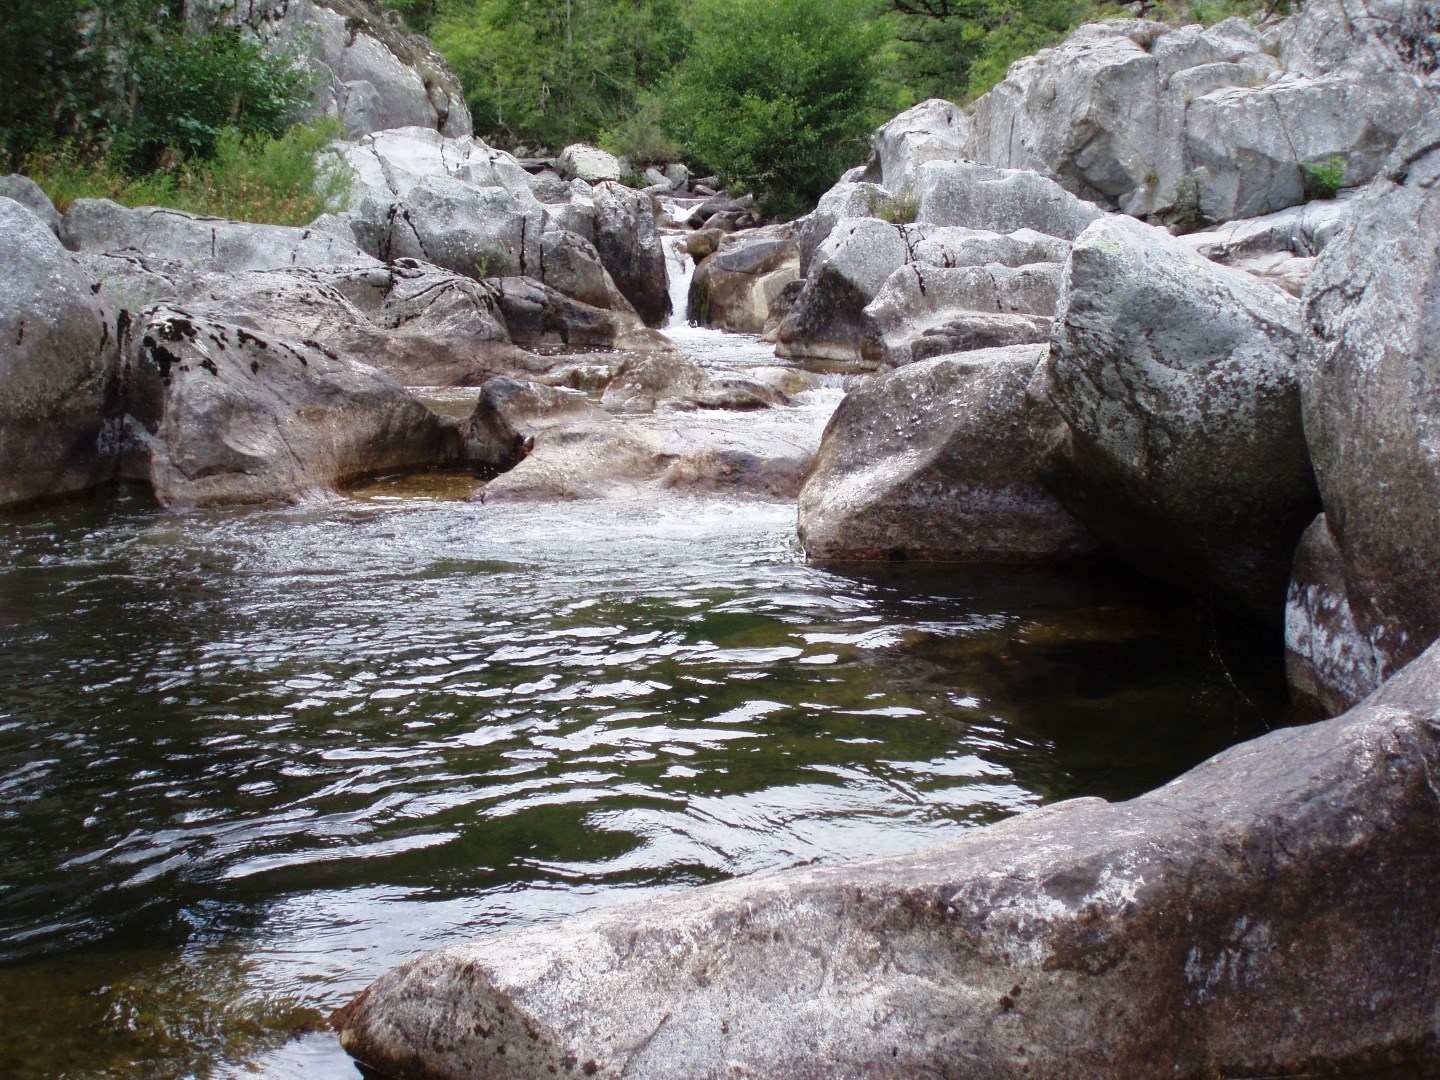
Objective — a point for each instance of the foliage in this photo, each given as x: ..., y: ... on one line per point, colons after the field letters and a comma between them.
x: 778, y: 95
x: 640, y: 139
x: 249, y: 178
x: 187, y: 89
x: 1322, y: 179
x: 558, y: 71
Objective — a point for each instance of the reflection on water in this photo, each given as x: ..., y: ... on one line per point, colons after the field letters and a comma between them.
x: 249, y: 760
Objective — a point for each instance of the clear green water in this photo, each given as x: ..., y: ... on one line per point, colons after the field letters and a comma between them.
x: 248, y: 761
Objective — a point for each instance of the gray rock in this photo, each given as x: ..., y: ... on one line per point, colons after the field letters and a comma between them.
x: 934, y: 130
x: 645, y: 383
x: 627, y: 239
x: 678, y: 175
x: 734, y: 288
x: 215, y: 415
x: 828, y: 321
x: 27, y: 193
x: 1182, y: 445
x: 933, y: 462
x: 1268, y: 913
x: 845, y: 200
x: 1193, y: 124
x: 183, y: 243
x: 509, y: 416
x: 1369, y: 389
x: 370, y: 72
x: 538, y: 316
x: 588, y: 163
x: 998, y: 200
x: 1329, y: 663
x: 56, y: 369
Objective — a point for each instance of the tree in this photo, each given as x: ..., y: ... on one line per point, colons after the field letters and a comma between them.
x: 778, y: 95
x: 557, y: 71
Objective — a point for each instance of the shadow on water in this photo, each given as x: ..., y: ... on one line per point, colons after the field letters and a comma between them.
x: 250, y: 760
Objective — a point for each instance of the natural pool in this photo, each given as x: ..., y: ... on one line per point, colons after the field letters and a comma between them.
x: 249, y: 760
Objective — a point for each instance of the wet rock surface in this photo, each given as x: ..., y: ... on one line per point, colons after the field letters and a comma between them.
x: 1083, y: 939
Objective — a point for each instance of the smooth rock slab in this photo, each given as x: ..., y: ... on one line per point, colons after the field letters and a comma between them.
x: 1270, y: 912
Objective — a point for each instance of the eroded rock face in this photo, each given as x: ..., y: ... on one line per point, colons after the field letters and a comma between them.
x: 1182, y: 444
x: 934, y: 462
x: 27, y: 193
x: 1176, y: 932
x: 588, y: 163
x: 372, y: 73
x: 57, y: 366
x: 1369, y: 386
x: 998, y: 200
x: 1206, y: 124
x: 215, y: 415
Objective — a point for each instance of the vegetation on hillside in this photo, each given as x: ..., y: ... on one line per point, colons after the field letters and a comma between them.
x: 775, y: 96
x: 114, y: 98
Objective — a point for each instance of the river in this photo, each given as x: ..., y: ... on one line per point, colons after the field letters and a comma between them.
x: 251, y: 759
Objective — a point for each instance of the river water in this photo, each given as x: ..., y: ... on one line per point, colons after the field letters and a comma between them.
x: 250, y: 760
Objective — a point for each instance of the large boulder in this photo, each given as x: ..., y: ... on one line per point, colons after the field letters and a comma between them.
x: 1269, y: 913
x: 193, y: 244
x: 998, y: 200
x: 589, y: 163
x: 734, y: 288
x: 1280, y: 247
x: 217, y: 415
x: 934, y: 462
x: 27, y: 193
x: 56, y: 368
x: 1194, y: 124
x: 934, y: 130
x: 1182, y: 443
x: 369, y: 70
x: 627, y: 239
x: 965, y: 289
x: 1370, y: 380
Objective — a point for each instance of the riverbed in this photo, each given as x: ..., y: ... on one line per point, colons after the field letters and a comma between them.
x: 251, y: 759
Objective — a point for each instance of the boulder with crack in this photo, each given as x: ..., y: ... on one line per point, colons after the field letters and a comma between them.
x: 934, y: 462
x: 734, y: 288
x: 1271, y: 912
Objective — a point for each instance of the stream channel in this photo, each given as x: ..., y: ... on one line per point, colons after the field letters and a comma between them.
x: 249, y: 760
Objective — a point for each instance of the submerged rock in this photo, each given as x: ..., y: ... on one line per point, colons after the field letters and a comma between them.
x: 1181, y: 444
x: 57, y: 366
x: 1259, y: 916
x: 934, y: 462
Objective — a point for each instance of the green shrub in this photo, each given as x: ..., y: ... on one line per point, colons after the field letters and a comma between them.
x: 1322, y: 179
x: 249, y: 178
x: 640, y: 139
x: 189, y: 89
x: 778, y: 95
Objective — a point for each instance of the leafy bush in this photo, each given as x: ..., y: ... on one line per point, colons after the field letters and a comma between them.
x: 189, y: 89
x: 778, y: 95
x: 640, y: 139
x: 249, y: 178
x: 1322, y: 179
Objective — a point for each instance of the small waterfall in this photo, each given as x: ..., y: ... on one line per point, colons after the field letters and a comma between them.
x: 679, y: 269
